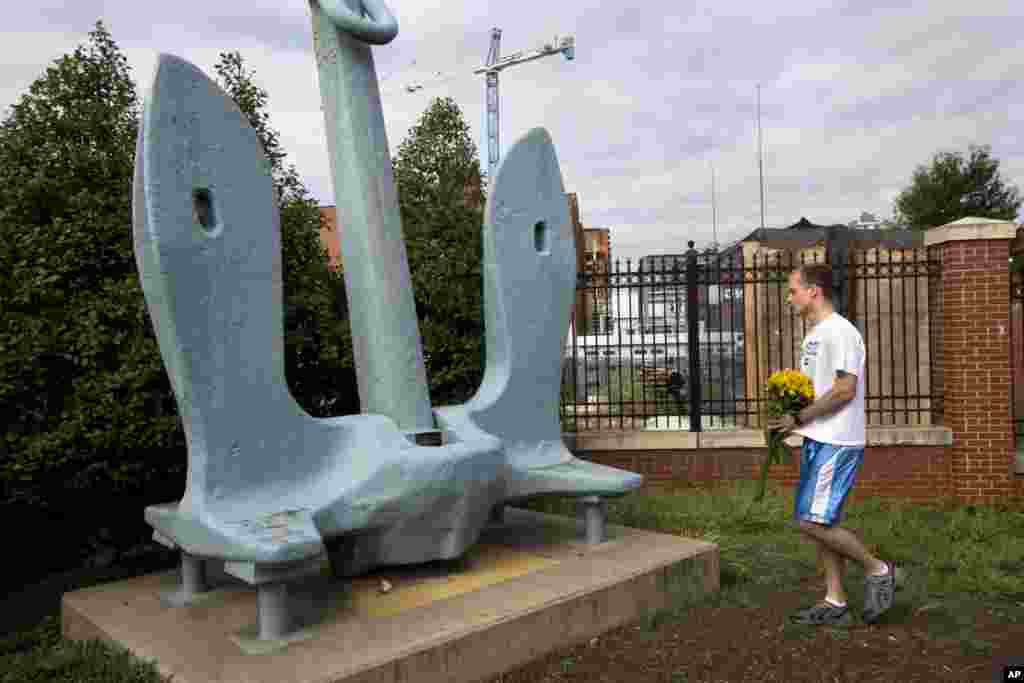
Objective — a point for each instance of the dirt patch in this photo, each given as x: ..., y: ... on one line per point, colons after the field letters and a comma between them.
x: 929, y: 642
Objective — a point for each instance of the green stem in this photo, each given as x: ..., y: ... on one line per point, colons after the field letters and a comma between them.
x: 777, y: 453
x: 763, y: 478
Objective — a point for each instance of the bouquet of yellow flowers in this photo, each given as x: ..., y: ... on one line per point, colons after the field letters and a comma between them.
x: 789, y: 392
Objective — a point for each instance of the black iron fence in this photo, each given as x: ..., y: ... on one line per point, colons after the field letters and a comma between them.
x: 686, y: 342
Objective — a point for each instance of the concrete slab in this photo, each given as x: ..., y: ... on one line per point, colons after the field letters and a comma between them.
x: 528, y: 587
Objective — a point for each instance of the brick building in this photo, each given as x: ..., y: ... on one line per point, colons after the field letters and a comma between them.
x: 593, y: 259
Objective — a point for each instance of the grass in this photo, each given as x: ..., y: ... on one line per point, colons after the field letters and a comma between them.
x: 954, y: 556
x: 759, y: 548
x: 40, y: 654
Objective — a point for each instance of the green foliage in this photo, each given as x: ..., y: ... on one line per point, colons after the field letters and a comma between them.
x: 252, y: 100
x: 954, y: 187
x: 438, y: 179
x: 92, y: 434
x: 83, y: 393
x: 85, y: 662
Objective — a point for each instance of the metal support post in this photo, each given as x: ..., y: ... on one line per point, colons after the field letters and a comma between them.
x: 193, y: 584
x: 594, y: 517
x: 272, y: 607
x: 193, y: 576
x: 693, y: 339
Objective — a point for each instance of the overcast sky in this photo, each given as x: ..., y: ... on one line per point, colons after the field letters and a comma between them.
x: 854, y: 94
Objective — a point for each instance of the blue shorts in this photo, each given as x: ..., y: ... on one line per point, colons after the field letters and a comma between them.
x: 827, y: 473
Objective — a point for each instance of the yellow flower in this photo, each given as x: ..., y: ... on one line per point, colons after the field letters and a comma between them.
x: 788, y: 392
x: 791, y: 383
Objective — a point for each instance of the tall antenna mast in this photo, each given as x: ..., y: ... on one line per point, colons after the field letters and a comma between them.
x: 714, y: 209
x: 760, y: 154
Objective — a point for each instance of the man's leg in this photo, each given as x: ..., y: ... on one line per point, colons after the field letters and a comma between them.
x: 832, y: 472
x: 880, y: 582
x: 834, y: 565
x: 822, y: 613
x: 833, y: 610
x: 835, y: 539
x: 819, y: 548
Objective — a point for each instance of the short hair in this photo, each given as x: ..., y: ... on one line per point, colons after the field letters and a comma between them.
x: 817, y: 275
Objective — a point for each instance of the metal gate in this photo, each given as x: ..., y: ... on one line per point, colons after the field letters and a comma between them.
x: 685, y: 342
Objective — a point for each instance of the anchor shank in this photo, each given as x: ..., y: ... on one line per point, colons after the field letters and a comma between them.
x: 385, y: 333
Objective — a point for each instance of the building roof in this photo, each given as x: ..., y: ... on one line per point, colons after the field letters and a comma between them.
x: 804, y: 233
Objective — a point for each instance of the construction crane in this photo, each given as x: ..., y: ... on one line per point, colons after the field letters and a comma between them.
x: 495, y: 63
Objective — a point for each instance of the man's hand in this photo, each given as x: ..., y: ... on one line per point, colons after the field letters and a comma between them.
x: 784, y: 424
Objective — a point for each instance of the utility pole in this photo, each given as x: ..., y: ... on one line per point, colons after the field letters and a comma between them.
x: 760, y: 154
x: 714, y: 209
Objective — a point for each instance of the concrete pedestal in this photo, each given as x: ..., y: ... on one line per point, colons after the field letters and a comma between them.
x: 530, y: 586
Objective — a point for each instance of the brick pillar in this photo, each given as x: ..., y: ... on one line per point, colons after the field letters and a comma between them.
x: 975, y: 358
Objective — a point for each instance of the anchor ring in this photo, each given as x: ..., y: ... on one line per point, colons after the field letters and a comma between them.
x: 379, y: 27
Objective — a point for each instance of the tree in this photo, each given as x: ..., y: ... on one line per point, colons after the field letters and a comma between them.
x: 954, y: 187
x: 318, y: 360
x: 437, y: 175
x: 84, y: 397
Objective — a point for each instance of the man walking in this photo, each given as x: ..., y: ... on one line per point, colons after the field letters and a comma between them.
x: 834, y: 431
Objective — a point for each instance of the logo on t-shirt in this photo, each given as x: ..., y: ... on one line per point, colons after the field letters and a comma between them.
x: 810, y: 353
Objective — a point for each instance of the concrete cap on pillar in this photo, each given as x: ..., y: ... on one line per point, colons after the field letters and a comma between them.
x: 970, y: 228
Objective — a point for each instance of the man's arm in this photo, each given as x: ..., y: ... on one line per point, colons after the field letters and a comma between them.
x: 843, y: 390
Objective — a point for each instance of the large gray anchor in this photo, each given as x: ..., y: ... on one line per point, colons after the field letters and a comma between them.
x: 268, y: 483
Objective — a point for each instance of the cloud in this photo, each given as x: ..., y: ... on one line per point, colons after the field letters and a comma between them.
x: 854, y: 94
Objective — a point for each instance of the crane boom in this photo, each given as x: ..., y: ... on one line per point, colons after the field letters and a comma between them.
x: 565, y: 45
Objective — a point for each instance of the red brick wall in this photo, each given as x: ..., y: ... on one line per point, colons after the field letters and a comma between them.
x: 976, y: 363
x: 330, y: 235
x: 907, y: 472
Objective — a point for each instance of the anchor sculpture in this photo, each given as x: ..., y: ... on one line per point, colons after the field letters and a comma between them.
x: 267, y: 483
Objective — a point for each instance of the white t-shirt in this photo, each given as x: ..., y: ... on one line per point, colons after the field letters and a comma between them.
x: 835, y: 344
